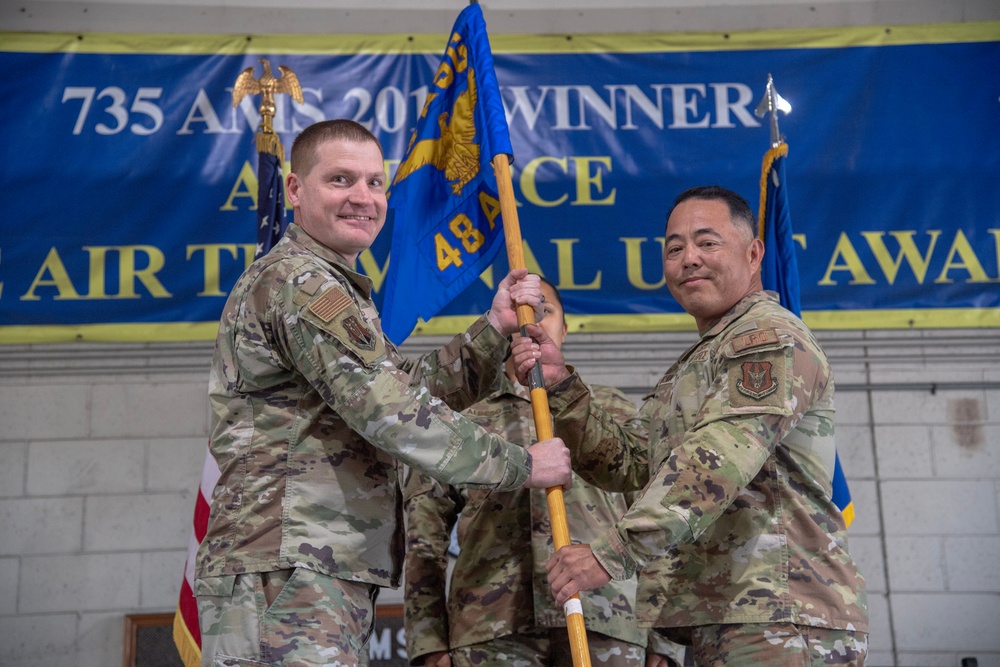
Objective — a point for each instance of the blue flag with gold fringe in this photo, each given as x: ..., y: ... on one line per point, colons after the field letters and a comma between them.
x: 780, y: 266
x: 780, y: 272
x: 443, y: 202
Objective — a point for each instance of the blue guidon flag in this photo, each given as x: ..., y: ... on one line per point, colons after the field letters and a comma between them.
x: 780, y: 273
x: 443, y: 202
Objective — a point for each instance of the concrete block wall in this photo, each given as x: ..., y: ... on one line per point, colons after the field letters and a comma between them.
x: 98, y: 472
x: 917, y: 429
x: 101, y: 449
x: 937, y: 453
x: 939, y: 462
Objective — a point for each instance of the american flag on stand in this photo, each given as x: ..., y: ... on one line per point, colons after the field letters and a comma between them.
x: 271, y: 225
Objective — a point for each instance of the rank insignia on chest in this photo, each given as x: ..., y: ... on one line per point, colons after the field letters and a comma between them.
x: 757, y: 381
x: 360, y: 334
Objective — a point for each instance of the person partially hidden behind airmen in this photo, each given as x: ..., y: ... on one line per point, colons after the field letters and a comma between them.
x: 742, y: 554
x: 314, y: 414
x: 497, y: 608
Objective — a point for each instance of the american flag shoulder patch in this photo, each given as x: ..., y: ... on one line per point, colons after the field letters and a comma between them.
x: 329, y: 303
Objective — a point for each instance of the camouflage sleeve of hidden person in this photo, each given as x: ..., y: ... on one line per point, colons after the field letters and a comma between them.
x: 432, y: 510
x: 498, y: 581
x: 328, y: 340
x: 712, y: 438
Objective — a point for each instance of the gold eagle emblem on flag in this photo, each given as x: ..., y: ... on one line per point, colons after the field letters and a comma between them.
x: 454, y: 152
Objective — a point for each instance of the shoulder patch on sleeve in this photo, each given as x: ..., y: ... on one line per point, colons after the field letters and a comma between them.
x: 330, y: 303
x: 336, y: 313
x: 359, y: 333
x: 312, y: 284
x: 757, y: 363
x: 754, y: 339
x: 758, y: 380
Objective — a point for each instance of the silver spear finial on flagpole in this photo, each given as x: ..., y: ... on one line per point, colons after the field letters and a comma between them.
x: 771, y: 104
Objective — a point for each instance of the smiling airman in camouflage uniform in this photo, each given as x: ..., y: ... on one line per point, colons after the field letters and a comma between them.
x: 742, y: 553
x: 314, y: 414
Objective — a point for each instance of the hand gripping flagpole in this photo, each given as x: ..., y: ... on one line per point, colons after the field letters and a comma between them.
x: 540, y: 407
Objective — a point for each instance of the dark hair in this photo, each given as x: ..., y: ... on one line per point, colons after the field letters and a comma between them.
x: 555, y: 290
x: 305, y: 145
x: 739, y: 209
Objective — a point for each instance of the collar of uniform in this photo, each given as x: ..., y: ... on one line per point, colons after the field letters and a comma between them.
x: 741, y: 307
x: 360, y: 281
x: 508, y: 386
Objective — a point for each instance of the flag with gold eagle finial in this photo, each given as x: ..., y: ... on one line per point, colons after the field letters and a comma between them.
x: 780, y: 273
x: 443, y: 202
x: 271, y: 225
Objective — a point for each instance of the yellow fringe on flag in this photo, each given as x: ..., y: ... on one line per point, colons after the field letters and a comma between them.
x: 186, y: 645
x: 268, y: 142
x: 781, y: 150
x: 848, y: 513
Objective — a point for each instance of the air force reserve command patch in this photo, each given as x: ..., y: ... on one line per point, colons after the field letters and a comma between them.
x: 757, y: 381
x: 757, y: 368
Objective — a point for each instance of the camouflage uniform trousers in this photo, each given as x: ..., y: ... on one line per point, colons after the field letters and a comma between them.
x: 777, y: 645
x: 549, y: 647
x: 292, y: 618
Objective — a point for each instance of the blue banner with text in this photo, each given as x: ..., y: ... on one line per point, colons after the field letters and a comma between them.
x: 137, y: 176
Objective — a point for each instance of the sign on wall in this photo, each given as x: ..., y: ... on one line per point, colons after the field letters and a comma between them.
x: 131, y: 179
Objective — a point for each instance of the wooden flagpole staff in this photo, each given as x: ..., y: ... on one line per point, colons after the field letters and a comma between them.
x: 540, y: 407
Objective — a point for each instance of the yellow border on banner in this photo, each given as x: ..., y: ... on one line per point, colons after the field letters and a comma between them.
x: 182, y: 44
x: 830, y: 320
x: 159, y: 332
x: 918, y: 318
x: 819, y: 320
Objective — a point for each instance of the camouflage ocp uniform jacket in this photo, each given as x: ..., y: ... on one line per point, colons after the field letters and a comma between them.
x: 313, y: 411
x: 499, y: 584
x: 735, y: 450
